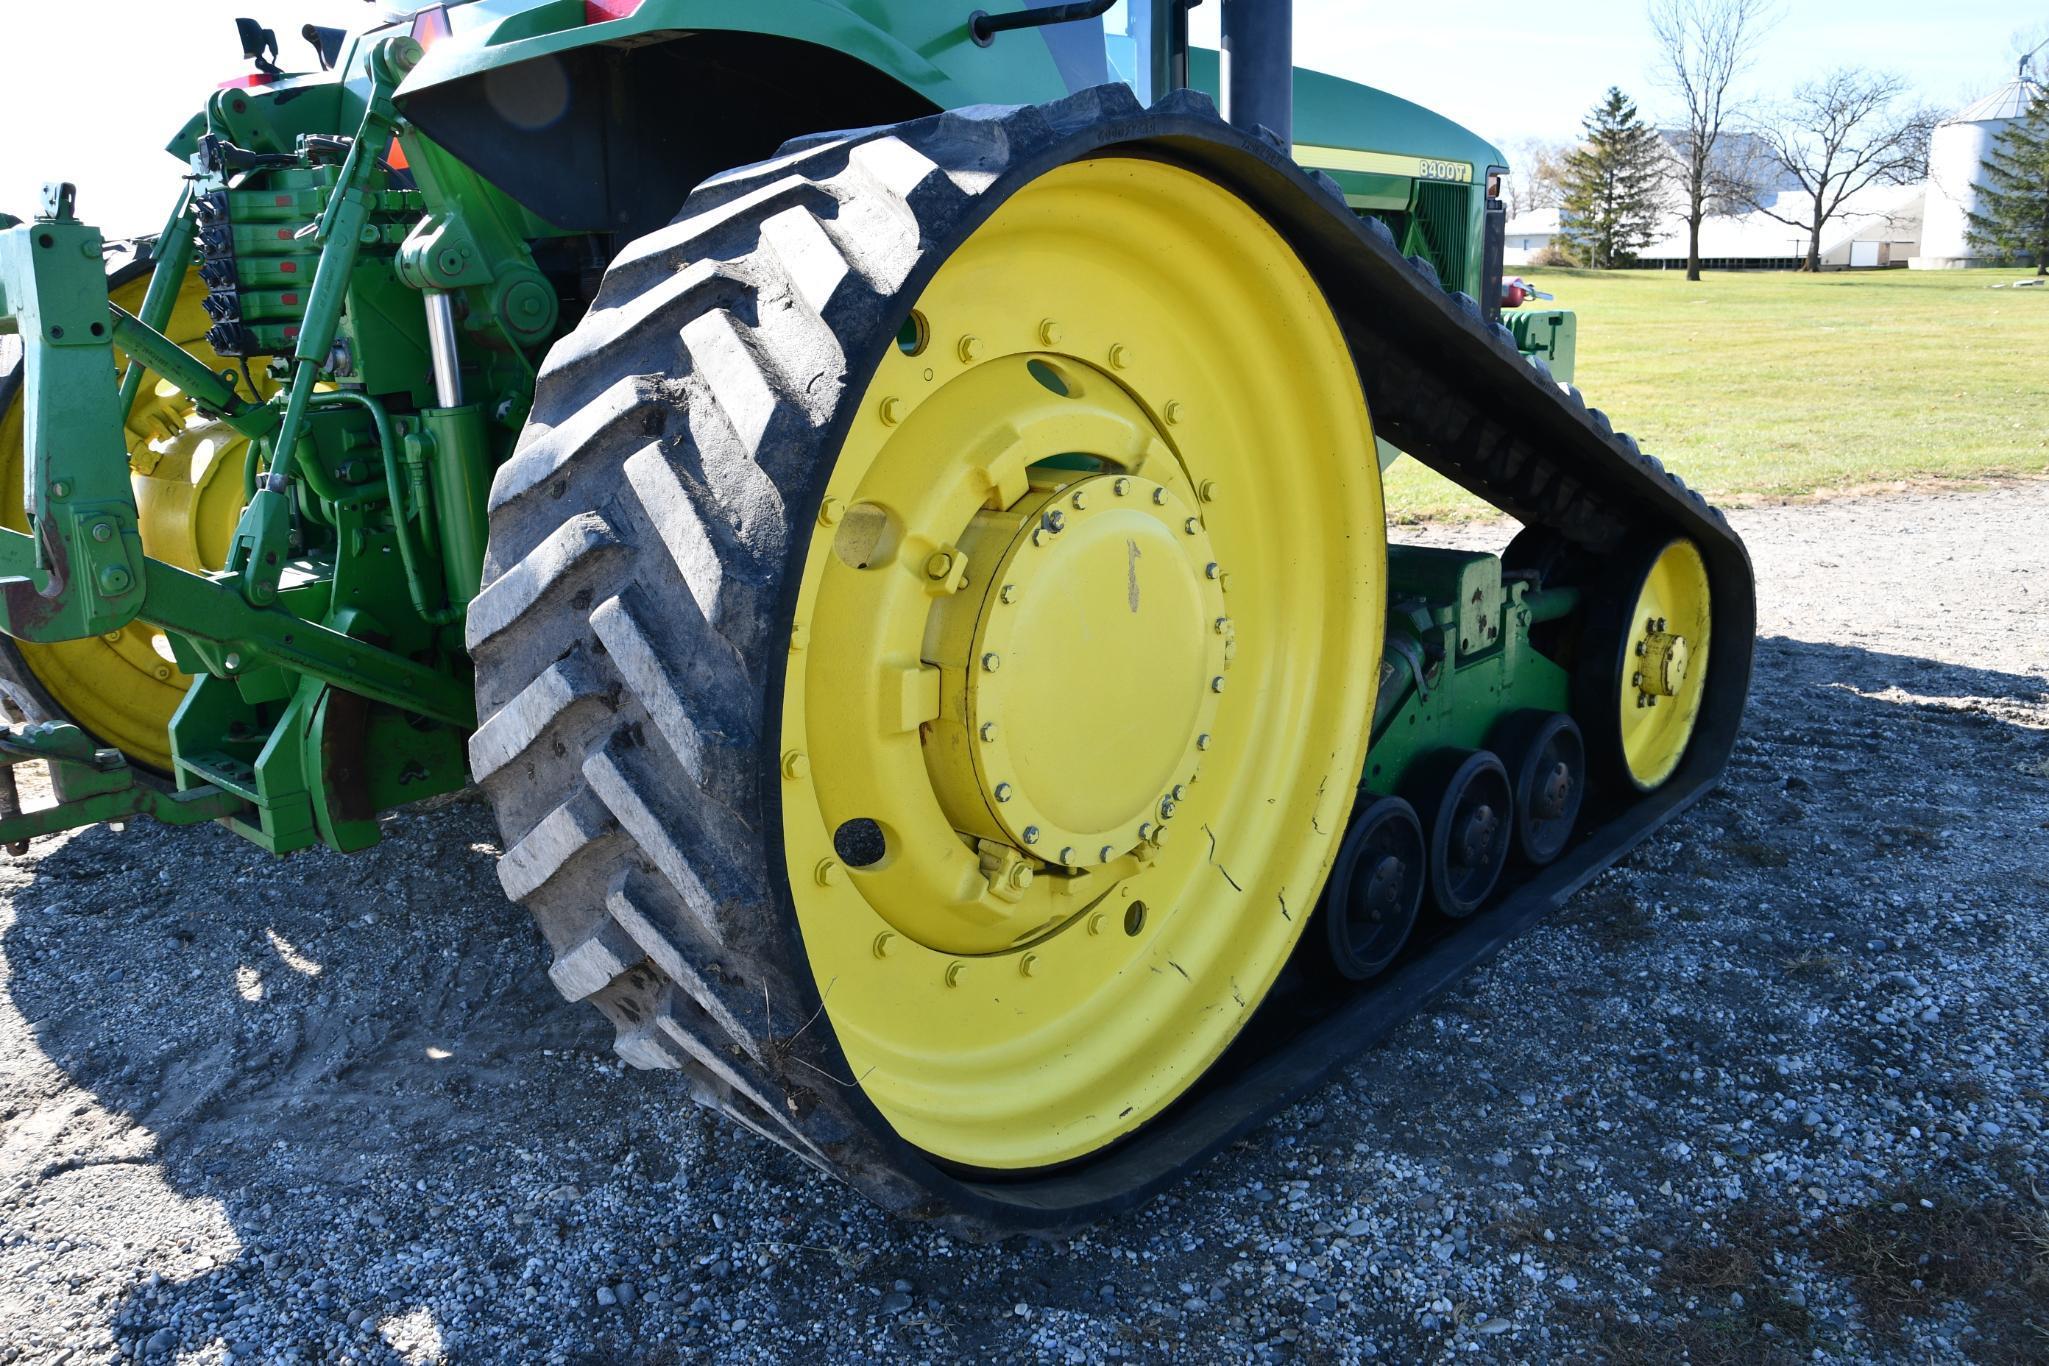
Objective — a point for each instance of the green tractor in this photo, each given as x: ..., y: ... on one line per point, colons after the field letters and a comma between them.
x: 917, y: 596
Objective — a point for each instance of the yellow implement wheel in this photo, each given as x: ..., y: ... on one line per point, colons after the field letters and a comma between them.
x: 1087, y: 637
x: 187, y: 475
x: 1664, y: 662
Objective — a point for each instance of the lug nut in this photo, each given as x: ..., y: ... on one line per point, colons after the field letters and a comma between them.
x: 1028, y: 965
x: 987, y: 731
x: 1166, y: 808
x: 1120, y: 357
x: 991, y: 662
x: 1031, y: 834
x: 1202, y: 740
x: 1105, y: 854
x: 829, y: 512
x: 1008, y: 593
x: 1080, y: 499
x: 1056, y: 519
x: 1175, y: 412
x: 1067, y: 855
x: 1192, y: 525
x: 1050, y: 333
x: 939, y: 566
x: 1208, y: 491
x: 1145, y: 831
x: 1020, y: 876
x: 1217, y: 684
x: 892, y: 411
x: 1003, y: 792
x: 1180, y: 792
x: 953, y: 973
x: 827, y: 872
x: 881, y: 945
x: 1120, y: 486
x: 795, y: 765
x: 1159, y: 497
x: 1211, y: 570
x: 970, y: 349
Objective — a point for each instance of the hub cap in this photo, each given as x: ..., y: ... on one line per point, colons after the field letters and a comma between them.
x: 1666, y: 664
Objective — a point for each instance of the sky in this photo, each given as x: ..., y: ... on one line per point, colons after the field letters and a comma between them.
x: 118, y: 77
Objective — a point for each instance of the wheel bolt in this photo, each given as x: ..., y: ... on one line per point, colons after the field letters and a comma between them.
x: 1056, y: 519
x: 882, y: 943
x: 1202, y: 740
x: 1166, y: 808
x: 1145, y: 831
x: 987, y: 732
x: 829, y: 512
x: 939, y: 566
x: 991, y: 662
x: 1120, y: 357
x: 1031, y: 834
x: 1020, y: 876
x: 1105, y: 854
x: 1080, y: 499
x: 1208, y: 491
x: 953, y: 973
x: 892, y: 411
x: 1180, y: 792
x: 1192, y: 525
x: 1217, y: 684
x: 795, y: 765
x: 1050, y: 333
x: 827, y: 873
x: 1211, y: 570
x: 1120, y: 486
x: 1008, y: 593
x: 1067, y: 855
x: 1003, y: 792
x: 1028, y: 965
x: 1159, y: 497
x: 970, y: 349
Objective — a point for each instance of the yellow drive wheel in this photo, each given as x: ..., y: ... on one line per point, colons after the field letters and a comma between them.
x: 187, y: 475
x: 1086, y: 640
x: 1663, y: 663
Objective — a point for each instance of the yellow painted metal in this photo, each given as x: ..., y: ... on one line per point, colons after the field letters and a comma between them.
x: 187, y: 475
x: 1667, y: 664
x: 1089, y: 628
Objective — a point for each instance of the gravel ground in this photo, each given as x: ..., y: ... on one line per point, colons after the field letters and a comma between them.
x: 1775, y: 1087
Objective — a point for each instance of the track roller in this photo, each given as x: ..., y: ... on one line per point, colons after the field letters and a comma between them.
x: 1547, y: 762
x: 1468, y: 817
x: 1375, y: 889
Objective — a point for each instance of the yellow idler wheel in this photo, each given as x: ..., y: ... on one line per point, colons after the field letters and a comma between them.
x: 1087, y: 634
x: 1664, y: 664
x: 187, y: 475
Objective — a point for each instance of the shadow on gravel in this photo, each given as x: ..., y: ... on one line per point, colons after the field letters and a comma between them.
x: 419, y: 1148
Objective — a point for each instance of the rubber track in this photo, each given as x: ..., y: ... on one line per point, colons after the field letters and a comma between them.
x: 648, y: 533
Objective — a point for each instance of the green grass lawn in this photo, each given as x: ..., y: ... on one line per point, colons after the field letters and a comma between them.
x: 1767, y: 385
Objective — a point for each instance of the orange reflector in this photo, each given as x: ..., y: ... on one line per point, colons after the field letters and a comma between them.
x: 601, y: 11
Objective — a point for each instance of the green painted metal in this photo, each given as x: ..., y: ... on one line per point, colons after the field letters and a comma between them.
x: 94, y: 785
x: 1458, y: 658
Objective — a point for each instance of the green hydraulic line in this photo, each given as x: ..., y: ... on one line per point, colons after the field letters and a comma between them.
x: 174, y: 257
x: 408, y: 552
x: 155, y: 351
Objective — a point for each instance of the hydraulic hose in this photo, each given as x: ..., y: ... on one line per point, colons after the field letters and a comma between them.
x: 408, y: 552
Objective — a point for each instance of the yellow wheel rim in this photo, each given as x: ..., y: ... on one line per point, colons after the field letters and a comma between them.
x: 187, y: 475
x: 1088, y: 632
x: 1665, y: 658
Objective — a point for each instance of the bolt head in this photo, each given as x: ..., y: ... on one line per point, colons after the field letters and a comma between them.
x: 1056, y: 519
x: 892, y: 411
x: 60, y: 489
x: 987, y: 731
x: 1008, y: 593
x: 1003, y: 792
x: 953, y: 973
x: 1067, y: 854
x: 1020, y: 876
x: 1080, y: 499
x: 1202, y: 740
x: 830, y: 510
x: 1223, y: 626
x: 1217, y: 684
x: 1175, y: 412
x: 795, y: 765
x: 1120, y: 486
x: 101, y: 531
x: 1120, y: 357
x: 1166, y: 808
x: 970, y: 349
x: 991, y: 662
x: 828, y: 872
x: 1192, y: 525
x: 1211, y: 570
x: 882, y: 943
x: 1159, y: 497
x: 1105, y: 854
x: 1145, y: 830
x: 1027, y: 965
x: 1207, y: 491
x: 1031, y: 834
x: 1050, y: 333
x: 115, y: 578
x: 1180, y: 792
x: 939, y: 565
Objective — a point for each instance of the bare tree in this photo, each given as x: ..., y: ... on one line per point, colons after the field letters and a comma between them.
x: 1704, y: 45
x: 1838, y: 136
x: 1536, y: 172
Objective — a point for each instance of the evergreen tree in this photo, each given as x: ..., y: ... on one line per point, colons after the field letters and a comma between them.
x: 1613, y: 186
x: 2013, y: 195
